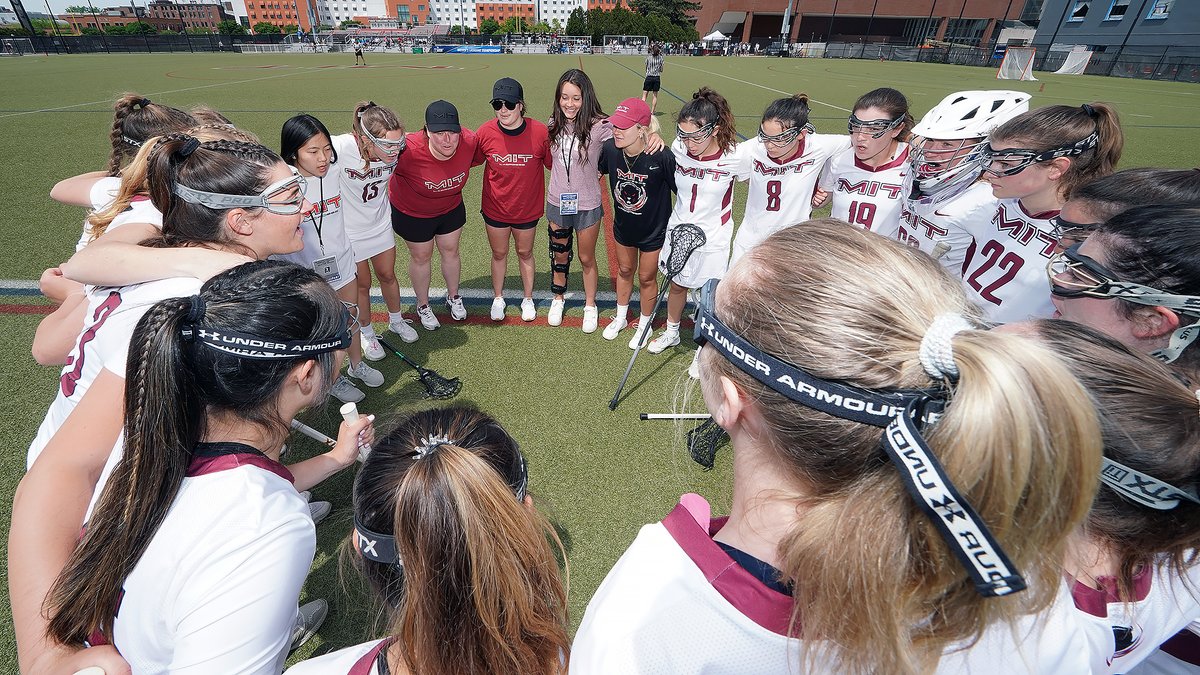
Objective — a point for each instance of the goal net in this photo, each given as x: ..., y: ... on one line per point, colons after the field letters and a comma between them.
x: 626, y: 44
x: 1017, y: 64
x: 16, y: 46
x: 1076, y: 63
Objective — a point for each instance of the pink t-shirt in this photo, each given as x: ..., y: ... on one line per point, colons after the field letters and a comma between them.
x: 570, y: 173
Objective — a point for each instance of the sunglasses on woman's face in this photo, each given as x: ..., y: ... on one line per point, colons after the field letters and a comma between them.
x: 507, y: 105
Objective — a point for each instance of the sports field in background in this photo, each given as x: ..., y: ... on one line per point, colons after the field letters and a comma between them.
x: 599, y: 475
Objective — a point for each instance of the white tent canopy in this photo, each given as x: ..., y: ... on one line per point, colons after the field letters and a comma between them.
x: 715, y: 35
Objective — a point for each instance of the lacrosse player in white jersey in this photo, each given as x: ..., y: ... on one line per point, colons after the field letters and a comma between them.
x: 782, y: 164
x: 866, y: 180
x: 1035, y: 160
x: 941, y: 196
x: 706, y: 165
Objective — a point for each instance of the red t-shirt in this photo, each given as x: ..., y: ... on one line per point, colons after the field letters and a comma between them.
x: 425, y: 187
x: 514, y: 177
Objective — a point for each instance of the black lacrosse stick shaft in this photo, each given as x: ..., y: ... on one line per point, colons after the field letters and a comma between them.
x: 436, y: 386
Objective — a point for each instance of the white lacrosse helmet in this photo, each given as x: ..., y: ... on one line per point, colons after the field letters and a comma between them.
x: 966, y: 117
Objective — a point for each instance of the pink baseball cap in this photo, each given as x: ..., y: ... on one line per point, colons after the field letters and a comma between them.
x: 629, y: 112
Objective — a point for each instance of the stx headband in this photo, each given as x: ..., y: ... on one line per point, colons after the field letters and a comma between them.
x: 902, y: 413
x: 216, y: 200
x: 1143, y: 488
x: 381, y: 548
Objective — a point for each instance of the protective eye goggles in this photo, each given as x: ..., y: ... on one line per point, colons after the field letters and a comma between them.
x: 497, y: 104
x: 270, y: 198
x: 698, y: 136
x: 386, y: 146
x: 785, y: 137
x: 875, y: 128
x: 1025, y: 158
x: 903, y: 413
x: 381, y: 548
x: 1073, y: 274
x: 1069, y: 233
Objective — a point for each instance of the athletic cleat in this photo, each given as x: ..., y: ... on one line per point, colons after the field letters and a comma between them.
x: 662, y: 343
x: 693, y: 370
x: 309, y: 618
x: 554, y: 316
x: 368, y: 375
x: 404, y: 329
x: 428, y: 320
x: 498, y: 309
x: 614, y: 327
x: 591, y: 318
x: 346, y: 392
x: 371, y: 349
x: 458, y: 312
x: 528, y: 310
x: 318, y: 511
x: 633, y: 341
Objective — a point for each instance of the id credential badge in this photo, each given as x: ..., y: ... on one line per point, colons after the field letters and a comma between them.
x: 568, y: 204
x: 327, y: 268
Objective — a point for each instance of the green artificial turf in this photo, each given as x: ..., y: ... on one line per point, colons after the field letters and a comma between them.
x: 599, y: 475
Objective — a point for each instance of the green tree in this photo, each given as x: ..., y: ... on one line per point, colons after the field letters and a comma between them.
x: 350, y: 23
x: 78, y: 9
x: 230, y: 27
x: 577, y: 22
x: 456, y: 29
x: 264, y: 28
x: 117, y: 30
x: 510, y: 25
x: 289, y: 28
x: 489, y: 26
x: 324, y: 28
x: 556, y: 26
x: 88, y: 30
x: 141, y: 28
x: 678, y: 12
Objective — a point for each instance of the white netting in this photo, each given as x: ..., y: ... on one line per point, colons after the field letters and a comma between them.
x: 626, y: 44
x: 1017, y: 64
x: 246, y: 48
x: 16, y: 46
x: 576, y: 44
x: 1076, y: 63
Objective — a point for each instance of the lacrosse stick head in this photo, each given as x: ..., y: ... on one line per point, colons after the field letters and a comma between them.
x: 703, y: 441
x: 438, y: 387
x: 686, y: 238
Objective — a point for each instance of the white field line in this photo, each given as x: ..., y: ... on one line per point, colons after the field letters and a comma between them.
x: 760, y: 86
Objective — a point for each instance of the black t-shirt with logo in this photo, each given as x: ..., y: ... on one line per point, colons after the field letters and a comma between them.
x: 641, y: 191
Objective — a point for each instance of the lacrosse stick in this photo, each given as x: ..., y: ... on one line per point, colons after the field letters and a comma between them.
x: 702, y: 441
x: 312, y: 433
x: 685, y: 239
x: 436, y: 386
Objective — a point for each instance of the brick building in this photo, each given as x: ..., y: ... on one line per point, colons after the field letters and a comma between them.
x: 501, y: 10
x: 106, y: 18
x: 970, y: 22
x: 205, y: 17
x: 281, y: 13
x: 411, y: 12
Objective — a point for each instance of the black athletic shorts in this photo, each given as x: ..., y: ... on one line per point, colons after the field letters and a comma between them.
x: 641, y: 240
x: 652, y: 83
x: 516, y: 226
x: 420, y: 230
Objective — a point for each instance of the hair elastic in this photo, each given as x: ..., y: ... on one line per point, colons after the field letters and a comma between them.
x: 430, y: 443
x: 937, y: 349
x: 142, y: 103
x: 1091, y: 112
x: 189, y: 146
x: 195, y: 313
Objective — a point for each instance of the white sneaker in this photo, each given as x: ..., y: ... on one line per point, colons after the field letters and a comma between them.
x: 428, y: 320
x: 528, y: 310
x: 591, y: 318
x: 346, y: 392
x: 368, y: 375
x: 404, y: 329
x: 614, y: 327
x: 308, y: 619
x: 371, y: 349
x: 306, y: 495
x: 457, y: 311
x: 318, y: 511
x: 693, y: 370
x: 668, y: 339
x: 498, y: 309
x: 554, y: 316
x: 633, y: 341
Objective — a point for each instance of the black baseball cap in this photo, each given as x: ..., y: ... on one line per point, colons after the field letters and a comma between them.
x: 441, y: 116
x: 508, y: 89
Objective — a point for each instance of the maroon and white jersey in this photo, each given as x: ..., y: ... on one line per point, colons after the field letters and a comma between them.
x: 216, y: 589
x: 780, y: 191
x: 1004, y: 268
x: 676, y: 602
x: 1125, y: 634
x: 704, y: 197
x: 943, y: 229
x: 865, y: 196
x: 363, y: 190
x: 361, y: 659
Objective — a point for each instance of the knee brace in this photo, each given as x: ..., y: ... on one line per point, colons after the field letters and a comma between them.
x: 560, y: 242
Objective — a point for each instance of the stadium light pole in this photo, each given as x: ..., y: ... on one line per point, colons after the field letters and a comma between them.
x: 103, y: 34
